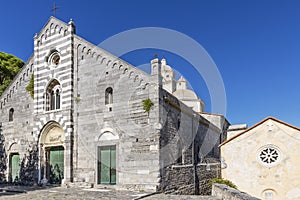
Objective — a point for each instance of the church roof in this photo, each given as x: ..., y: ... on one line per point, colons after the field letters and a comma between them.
x: 258, y: 124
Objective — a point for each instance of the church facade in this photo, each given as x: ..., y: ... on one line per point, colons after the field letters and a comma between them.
x: 87, y: 122
x: 268, y: 168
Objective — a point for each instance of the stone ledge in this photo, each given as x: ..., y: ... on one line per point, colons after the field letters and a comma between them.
x: 228, y: 193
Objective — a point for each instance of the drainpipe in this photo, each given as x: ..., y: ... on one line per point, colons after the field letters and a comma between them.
x: 39, y: 179
x: 196, y: 191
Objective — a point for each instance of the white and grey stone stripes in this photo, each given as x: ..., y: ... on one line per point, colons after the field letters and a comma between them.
x: 55, y: 36
x: 62, y: 118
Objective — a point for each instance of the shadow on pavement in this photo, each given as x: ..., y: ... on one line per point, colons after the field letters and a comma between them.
x: 8, y: 190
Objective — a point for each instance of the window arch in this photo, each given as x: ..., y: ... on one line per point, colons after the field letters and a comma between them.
x: 11, y: 115
x: 269, y: 194
x: 53, y: 58
x: 53, y: 96
x: 108, y: 96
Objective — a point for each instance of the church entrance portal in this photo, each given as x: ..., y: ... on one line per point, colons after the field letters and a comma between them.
x: 52, y: 152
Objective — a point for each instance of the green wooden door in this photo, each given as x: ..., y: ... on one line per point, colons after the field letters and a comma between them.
x: 107, y: 165
x: 56, y: 165
x: 15, y: 167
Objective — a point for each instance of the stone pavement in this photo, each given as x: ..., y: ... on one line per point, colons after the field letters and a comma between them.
x: 179, y: 197
x: 58, y: 193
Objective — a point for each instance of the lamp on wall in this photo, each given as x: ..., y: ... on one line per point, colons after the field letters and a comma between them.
x: 207, y: 167
x: 223, y: 164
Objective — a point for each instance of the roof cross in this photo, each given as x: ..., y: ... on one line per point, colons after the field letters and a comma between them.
x: 54, y: 9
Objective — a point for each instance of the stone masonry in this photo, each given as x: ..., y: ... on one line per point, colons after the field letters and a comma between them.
x: 87, y: 100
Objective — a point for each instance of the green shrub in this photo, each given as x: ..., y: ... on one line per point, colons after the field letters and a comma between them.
x: 147, y: 104
x: 223, y: 181
x: 30, y: 86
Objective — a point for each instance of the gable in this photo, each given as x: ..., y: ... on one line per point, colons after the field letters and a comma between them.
x: 53, y: 25
x: 265, y: 125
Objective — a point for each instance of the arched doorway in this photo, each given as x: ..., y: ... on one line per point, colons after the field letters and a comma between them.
x: 107, y: 158
x: 52, y: 153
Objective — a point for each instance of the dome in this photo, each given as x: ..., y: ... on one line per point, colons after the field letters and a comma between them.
x: 190, y: 99
x: 185, y: 94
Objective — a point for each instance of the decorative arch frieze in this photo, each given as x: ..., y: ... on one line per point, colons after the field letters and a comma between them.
x: 101, y: 58
x: 108, y: 63
x: 60, y: 30
x: 22, y: 76
x: 83, y: 49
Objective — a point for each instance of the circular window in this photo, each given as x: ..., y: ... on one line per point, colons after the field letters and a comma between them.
x: 54, y: 59
x: 269, y: 156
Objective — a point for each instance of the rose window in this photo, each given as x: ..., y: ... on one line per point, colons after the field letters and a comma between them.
x: 54, y: 59
x: 269, y: 156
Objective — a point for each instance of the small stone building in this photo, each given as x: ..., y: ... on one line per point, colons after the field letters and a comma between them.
x: 264, y: 160
x: 87, y: 124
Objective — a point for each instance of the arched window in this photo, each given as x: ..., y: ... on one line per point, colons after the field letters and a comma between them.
x: 53, y: 96
x: 52, y: 100
x: 269, y: 194
x: 57, y: 98
x: 108, y: 96
x: 54, y: 58
x: 11, y: 115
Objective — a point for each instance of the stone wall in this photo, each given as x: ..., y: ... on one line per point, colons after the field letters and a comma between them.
x: 180, y: 178
x: 186, y: 138
x: 261, y: 178
x: 181, y: 128
x: 148, y: 145
x: 17, y: 133
x: 228, y: 193
x: 122, y: 123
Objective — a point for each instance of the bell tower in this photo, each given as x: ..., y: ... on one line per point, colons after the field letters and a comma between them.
x: 168, y: 77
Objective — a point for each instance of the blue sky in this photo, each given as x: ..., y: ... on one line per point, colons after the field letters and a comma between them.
x: 254, y: 43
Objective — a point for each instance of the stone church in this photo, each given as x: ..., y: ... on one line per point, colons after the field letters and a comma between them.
x: 87, y: 122
x: 268, y: 168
